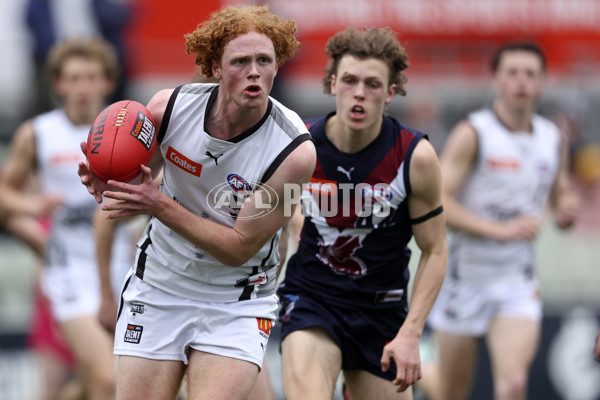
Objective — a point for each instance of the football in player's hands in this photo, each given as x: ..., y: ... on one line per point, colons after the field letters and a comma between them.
x: 122, y: 138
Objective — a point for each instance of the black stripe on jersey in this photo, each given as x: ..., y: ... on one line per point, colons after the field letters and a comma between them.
x: 248, y: 289
x: 427, y: 216
x: 141, y: 261
x: 121, y: 298
x: 167, y: 115
x: 264, y: 261
x: 283, y: 155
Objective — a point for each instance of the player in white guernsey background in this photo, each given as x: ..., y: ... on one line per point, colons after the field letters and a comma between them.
x: 201, y: 296
x: 499, y: 169
x: 46, y: 150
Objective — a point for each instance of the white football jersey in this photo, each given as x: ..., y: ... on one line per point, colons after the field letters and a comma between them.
x: 72, y: 239
x: 211, y: 177
x: 513, y: 175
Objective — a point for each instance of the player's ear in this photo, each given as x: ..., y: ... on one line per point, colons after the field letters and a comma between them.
x: 216, y: 70
x: 333, y: 84
x: 391, y: 93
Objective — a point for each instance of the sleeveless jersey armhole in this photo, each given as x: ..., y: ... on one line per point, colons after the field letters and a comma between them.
x: 167, y: 115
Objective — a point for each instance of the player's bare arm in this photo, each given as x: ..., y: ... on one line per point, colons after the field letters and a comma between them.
x: 29, y: 230
x: 563, y: 201
x: 457, y: 161
x: 429, y: 231
x: 231, y: 246
x: 104, y: 230
x: 16, y: 174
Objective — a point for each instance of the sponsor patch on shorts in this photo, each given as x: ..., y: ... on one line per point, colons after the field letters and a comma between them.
x: 264, y: 326
x: 137, y: 308
x: 133, y: 334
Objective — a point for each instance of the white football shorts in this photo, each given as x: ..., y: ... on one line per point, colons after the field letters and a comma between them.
x: 73, y: 290
x: 158, y: 325
x: 467, y: 309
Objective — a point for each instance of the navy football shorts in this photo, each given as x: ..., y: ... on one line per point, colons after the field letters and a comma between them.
x: 361, y: 334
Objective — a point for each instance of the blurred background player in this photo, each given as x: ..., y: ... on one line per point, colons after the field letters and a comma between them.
x: 201, y: 298
x: 52, y: 21
x: 344, y: 296
x: 47, y: 149
x: 499, y: 168
x: 44, y: 336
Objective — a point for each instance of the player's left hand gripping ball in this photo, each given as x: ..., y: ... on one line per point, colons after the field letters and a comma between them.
x: 122, y: 138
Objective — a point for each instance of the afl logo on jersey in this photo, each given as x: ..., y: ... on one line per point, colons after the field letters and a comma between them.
x: 227, y: 198
x: 238, y: 183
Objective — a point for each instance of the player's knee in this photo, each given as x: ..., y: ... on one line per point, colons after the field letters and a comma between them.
x: 512, y: 386
x: 295, y: 376
x: 302, y: 383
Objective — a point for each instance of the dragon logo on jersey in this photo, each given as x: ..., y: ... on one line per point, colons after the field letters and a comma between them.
x: 341, y: 257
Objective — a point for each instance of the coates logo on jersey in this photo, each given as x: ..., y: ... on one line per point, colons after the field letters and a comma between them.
x: 183, y: 162
x: 228, y: 198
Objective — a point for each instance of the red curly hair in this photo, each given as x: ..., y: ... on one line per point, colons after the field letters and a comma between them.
x: 209, y: 39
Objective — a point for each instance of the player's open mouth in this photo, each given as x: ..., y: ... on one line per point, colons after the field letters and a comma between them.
x: 358, y: 110
x: 253, y: 90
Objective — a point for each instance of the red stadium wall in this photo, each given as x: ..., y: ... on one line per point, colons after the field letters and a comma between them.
x: 155, y: 38
x: 442, y: 37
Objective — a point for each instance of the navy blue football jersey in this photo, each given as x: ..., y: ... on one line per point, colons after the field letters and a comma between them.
x: 353, y: 248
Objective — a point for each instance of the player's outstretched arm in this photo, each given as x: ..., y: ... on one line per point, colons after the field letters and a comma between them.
x: 429, y: 230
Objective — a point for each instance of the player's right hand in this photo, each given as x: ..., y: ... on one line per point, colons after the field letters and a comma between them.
x: 94, y: 185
